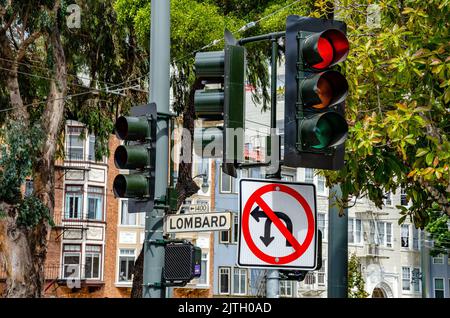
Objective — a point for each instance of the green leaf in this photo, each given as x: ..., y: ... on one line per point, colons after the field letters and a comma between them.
x: 402, y: 219
x: 429, y: 158
x: 421, y: 152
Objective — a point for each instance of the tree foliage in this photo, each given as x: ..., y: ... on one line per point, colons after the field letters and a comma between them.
x: 398, y: 105
x: 355, y: 285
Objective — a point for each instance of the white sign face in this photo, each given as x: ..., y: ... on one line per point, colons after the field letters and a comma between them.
x: 198, y: 222
x: 277, y: 224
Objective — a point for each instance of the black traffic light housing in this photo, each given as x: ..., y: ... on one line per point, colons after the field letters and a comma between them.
x: 315, y: 125
x: 182, y: 262
x: 225, y: 69
x: 137, y: 155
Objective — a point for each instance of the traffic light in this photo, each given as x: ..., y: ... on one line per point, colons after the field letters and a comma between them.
x: 222, y: 98
x: 315, y: 125
x: 182, y: 262
x: 138, y: 156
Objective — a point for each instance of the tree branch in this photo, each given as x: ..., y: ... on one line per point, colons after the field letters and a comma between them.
x: 23, y: 47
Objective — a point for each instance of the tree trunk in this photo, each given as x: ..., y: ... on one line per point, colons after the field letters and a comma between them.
x: 24, y: 250
x: 17, y: 257
x: 44, y: 168
x: 185, y: 188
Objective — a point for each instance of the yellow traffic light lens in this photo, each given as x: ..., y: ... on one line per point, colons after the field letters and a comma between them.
x: 325, y: 93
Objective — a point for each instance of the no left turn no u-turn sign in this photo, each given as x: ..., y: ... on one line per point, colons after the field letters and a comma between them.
x: 277, y: 225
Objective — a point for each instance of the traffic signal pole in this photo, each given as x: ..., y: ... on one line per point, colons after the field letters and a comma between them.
x: 273, y: 275
x: 159, y: 93
x: 337, y: 247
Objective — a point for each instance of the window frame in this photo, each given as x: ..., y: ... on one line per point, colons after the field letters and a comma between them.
x: 121, y: 201
x: 434, y: 287
x: 100, y: 195
x: 71, y: 132
x: 71, y: 193
x: 126, y: 257
x: 354, y: 231
x: 439, y: 256
x: 406, y: 279
x: 76, y: 253
x: 405, y: 245
x: 221, y: 176
x: 239, y: 271
x: 100, y: 263
x: 288, y: 286
x: 228, y: 269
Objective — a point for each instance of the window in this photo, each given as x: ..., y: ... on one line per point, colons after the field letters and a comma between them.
x: 225, y: 183
x: 225, y: 236
x: 416, y: 280
x: 309, y: 175
x: 388, y: 199
x: 403, y: 199
x: 287, y: 177
x: 95, y: 203
x: 74, y: 202
x: 389, y: 234
x: 380, y: 233
x: 71, y: 261
x: 240, y: 281
x: 126, y: 265
x: 230, y: 236
x: 28, y: 188
x: 75, y: 144
x: 354, y: 231
x: 321, y: 274
x: 372, y: 230
x: 320, y: 184
x: 438, y: 288
x: 438, y: 259
x: 224, y: 280
x: 406, y: 278
x: 92, y: 261
x: 235, y: 228
x: 405, y: 235
x: 127, y: 218
x: 285, y: 288
x: 415, y: 236
x: 203, y: 279
x: 91, y: 153
x: 321, y: 224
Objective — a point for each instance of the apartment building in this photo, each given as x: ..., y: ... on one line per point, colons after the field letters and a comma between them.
x: 83, y: 257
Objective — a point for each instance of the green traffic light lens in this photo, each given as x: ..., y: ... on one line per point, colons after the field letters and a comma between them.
x: 323, y: 133
x: 324, y: 130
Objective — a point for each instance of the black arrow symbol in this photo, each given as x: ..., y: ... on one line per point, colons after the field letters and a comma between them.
x: 267, y: 239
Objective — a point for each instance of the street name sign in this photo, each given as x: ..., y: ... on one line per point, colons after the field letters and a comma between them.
x: 198, y: 222
x: 278, y: 227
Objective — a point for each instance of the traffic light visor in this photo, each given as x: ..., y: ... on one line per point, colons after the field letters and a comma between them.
x: 325, y: 49
x: 324, y: 130
x: 132, y: 128
x: 131, y: 157
x: 130, y: 186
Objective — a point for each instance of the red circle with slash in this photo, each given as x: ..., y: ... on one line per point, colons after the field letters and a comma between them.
x: 299, y: 249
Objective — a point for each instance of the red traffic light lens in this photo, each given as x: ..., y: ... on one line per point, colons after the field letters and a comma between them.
x: 325, y: 50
